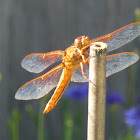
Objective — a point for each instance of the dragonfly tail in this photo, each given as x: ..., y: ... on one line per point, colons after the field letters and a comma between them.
x: 62, y: 84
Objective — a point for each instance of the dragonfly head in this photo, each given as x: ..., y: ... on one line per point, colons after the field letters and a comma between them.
x: 81, y: 41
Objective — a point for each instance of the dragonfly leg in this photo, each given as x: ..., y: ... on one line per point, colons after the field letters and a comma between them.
x: 82, y: 70
x: 86, y: 60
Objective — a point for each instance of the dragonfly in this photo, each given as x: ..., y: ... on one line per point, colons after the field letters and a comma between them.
x: 74, y: 64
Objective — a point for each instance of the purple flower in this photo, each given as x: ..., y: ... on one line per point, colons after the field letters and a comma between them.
x: 115, y: 98
x: 132, y: 119
x: 77, y: 92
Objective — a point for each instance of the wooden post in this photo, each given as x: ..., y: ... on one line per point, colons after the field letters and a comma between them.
x: 97, y: 92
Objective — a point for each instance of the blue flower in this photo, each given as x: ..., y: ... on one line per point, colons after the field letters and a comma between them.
x: 132, y: 119
x: 115, y: 98
x: 77, y: 92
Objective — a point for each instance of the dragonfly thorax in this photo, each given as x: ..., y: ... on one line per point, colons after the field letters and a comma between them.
x: 73, y: 54
x: 72, y: 57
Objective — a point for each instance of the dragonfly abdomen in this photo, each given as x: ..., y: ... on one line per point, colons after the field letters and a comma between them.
x: 62, y: 84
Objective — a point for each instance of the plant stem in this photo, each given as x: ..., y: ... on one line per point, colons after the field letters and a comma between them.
x: 41, y: 135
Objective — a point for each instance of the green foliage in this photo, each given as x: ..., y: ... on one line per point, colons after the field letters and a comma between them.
x: 137, y: 14
x: 0, y: 77
x: 38, y: 118
x: 13, y: 124
x: 68, y: 126
x: 33, y: 115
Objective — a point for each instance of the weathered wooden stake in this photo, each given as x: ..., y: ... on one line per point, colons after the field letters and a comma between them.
x: 97, y: 92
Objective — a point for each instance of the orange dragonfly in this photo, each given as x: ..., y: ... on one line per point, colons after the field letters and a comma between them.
x: 74, y: 66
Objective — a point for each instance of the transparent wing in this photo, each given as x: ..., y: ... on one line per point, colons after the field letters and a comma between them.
x: 115, y: 63
x: 78, y: 77
x: 120, y: 61
x: 37, y: 62
x: 40, y: 86
x: 120, y: 37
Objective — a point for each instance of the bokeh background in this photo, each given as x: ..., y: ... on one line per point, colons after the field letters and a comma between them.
x: 38, y: 26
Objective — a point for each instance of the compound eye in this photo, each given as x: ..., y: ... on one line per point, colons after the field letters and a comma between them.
x: 77, y: 42
x: 85, y: 40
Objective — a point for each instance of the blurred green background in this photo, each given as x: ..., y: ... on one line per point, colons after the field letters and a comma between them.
x: 38, y: 26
